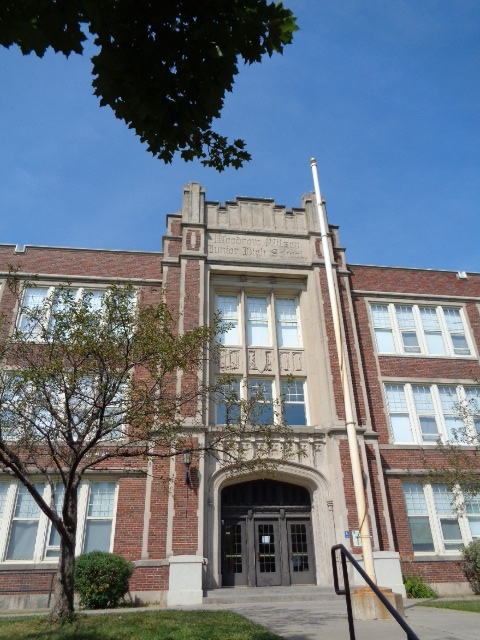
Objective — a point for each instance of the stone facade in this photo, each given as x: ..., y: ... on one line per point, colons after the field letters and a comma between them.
x: 254, y: 252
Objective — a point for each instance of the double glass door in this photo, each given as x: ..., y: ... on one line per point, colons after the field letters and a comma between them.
x: 261, y: 551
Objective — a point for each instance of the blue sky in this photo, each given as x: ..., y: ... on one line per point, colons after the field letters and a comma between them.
x: 386, y: 96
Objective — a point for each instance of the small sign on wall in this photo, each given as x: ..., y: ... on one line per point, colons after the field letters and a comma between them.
x: 356, y: 539
x: 347, y: 534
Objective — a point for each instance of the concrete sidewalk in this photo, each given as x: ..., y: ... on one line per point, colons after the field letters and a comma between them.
x: 328, y: 621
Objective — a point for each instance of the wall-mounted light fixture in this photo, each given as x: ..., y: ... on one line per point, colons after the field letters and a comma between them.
x: 187, y: 461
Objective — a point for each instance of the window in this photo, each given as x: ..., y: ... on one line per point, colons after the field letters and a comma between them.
x: 418, y: 519
x: 267, y: 326
x: 40, y: 302
x: 435, y: 522
x: 294, y: 403
x: 98, y: 529
x: 26, y: 534
x: 24, y: 527
x: 228, y: 402
x: 472, y: 405
x: 227, y: 308
x: 423, y: 414
x: 263, y: 410
x: 27, y: 412
x: 422, y: 330
x: 33, y: 301
x: 287, y: 322
x: 257, y: 320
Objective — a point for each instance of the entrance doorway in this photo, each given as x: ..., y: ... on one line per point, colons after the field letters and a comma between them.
x: 266, y: 535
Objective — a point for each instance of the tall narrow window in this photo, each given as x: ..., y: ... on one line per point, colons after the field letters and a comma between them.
x: 453, y: 422
x: 294, y: 403
x: 257, y: 321
x: 433, y: 332
x: 94, y: 299
x: 472, y: 395
x: 383, y: 328
x: 418, y: 520
x: 456, y: 330
x: 33, y: 304
x: 227, y: 307
x: 23, y: 533
x: 3, y: 496
x: 228, y: 402
x: 98, y: 529
x: 287, y: 324
x: 262, y: 412
x: 472, y: 508
x: 406, y: 323
x: 52, y: 549
x: 426, y: 413
x: 60, y: 304
x: 398, y: 411
x: 444, y: 503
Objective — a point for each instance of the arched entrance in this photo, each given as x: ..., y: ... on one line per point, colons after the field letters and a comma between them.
x: 266, y: 535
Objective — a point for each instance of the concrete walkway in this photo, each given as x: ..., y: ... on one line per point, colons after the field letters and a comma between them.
x: 327, y: 620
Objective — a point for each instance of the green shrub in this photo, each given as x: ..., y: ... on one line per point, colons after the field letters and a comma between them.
x: 471, y: 565
x: 414, y: 580
x: 101, y: 579
x: 416, y: 587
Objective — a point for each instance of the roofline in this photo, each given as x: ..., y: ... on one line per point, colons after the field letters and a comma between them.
x: 379, y: 266
x: 23, y: 248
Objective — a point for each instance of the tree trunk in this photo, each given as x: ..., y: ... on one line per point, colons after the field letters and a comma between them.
x: 63, y: 593
x: 64, y: 586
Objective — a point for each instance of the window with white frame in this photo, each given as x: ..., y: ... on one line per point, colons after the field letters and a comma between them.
x: 436, y: 521
x: 262, y: 390
x: 37, y: 414
x: 26, y: 534
x: 423, y: 413
x: 258, y: 320
x: 410, y: 329
x: 287, y: 322
x: 227, y: 309
x: 258, y: 333
x: 293, y: 394
x: 228, y: 402
x: 40, y: 304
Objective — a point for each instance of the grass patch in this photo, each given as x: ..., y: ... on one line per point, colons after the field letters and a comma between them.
x: 150, y: 625
x: 458, y: 605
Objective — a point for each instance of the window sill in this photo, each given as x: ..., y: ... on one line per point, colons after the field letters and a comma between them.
x: 453, y: 556
x: 428, y: 356
x: 18, y: 565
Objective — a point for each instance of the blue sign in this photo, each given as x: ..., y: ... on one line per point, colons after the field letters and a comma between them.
x: 347, y: 534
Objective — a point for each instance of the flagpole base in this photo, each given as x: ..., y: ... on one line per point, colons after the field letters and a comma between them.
x: 366, y: 605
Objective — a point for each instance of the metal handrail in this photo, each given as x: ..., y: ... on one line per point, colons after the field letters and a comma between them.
x: 411, y: 635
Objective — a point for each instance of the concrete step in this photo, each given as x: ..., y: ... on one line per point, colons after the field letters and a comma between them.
x: 300, y: 593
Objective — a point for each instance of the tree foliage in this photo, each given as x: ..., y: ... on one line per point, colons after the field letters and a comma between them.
x: 456, y: 461
x: 163, y: 66
x: 88, y: 387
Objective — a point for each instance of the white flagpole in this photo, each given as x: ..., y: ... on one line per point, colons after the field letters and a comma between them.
x: 349, y: 418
